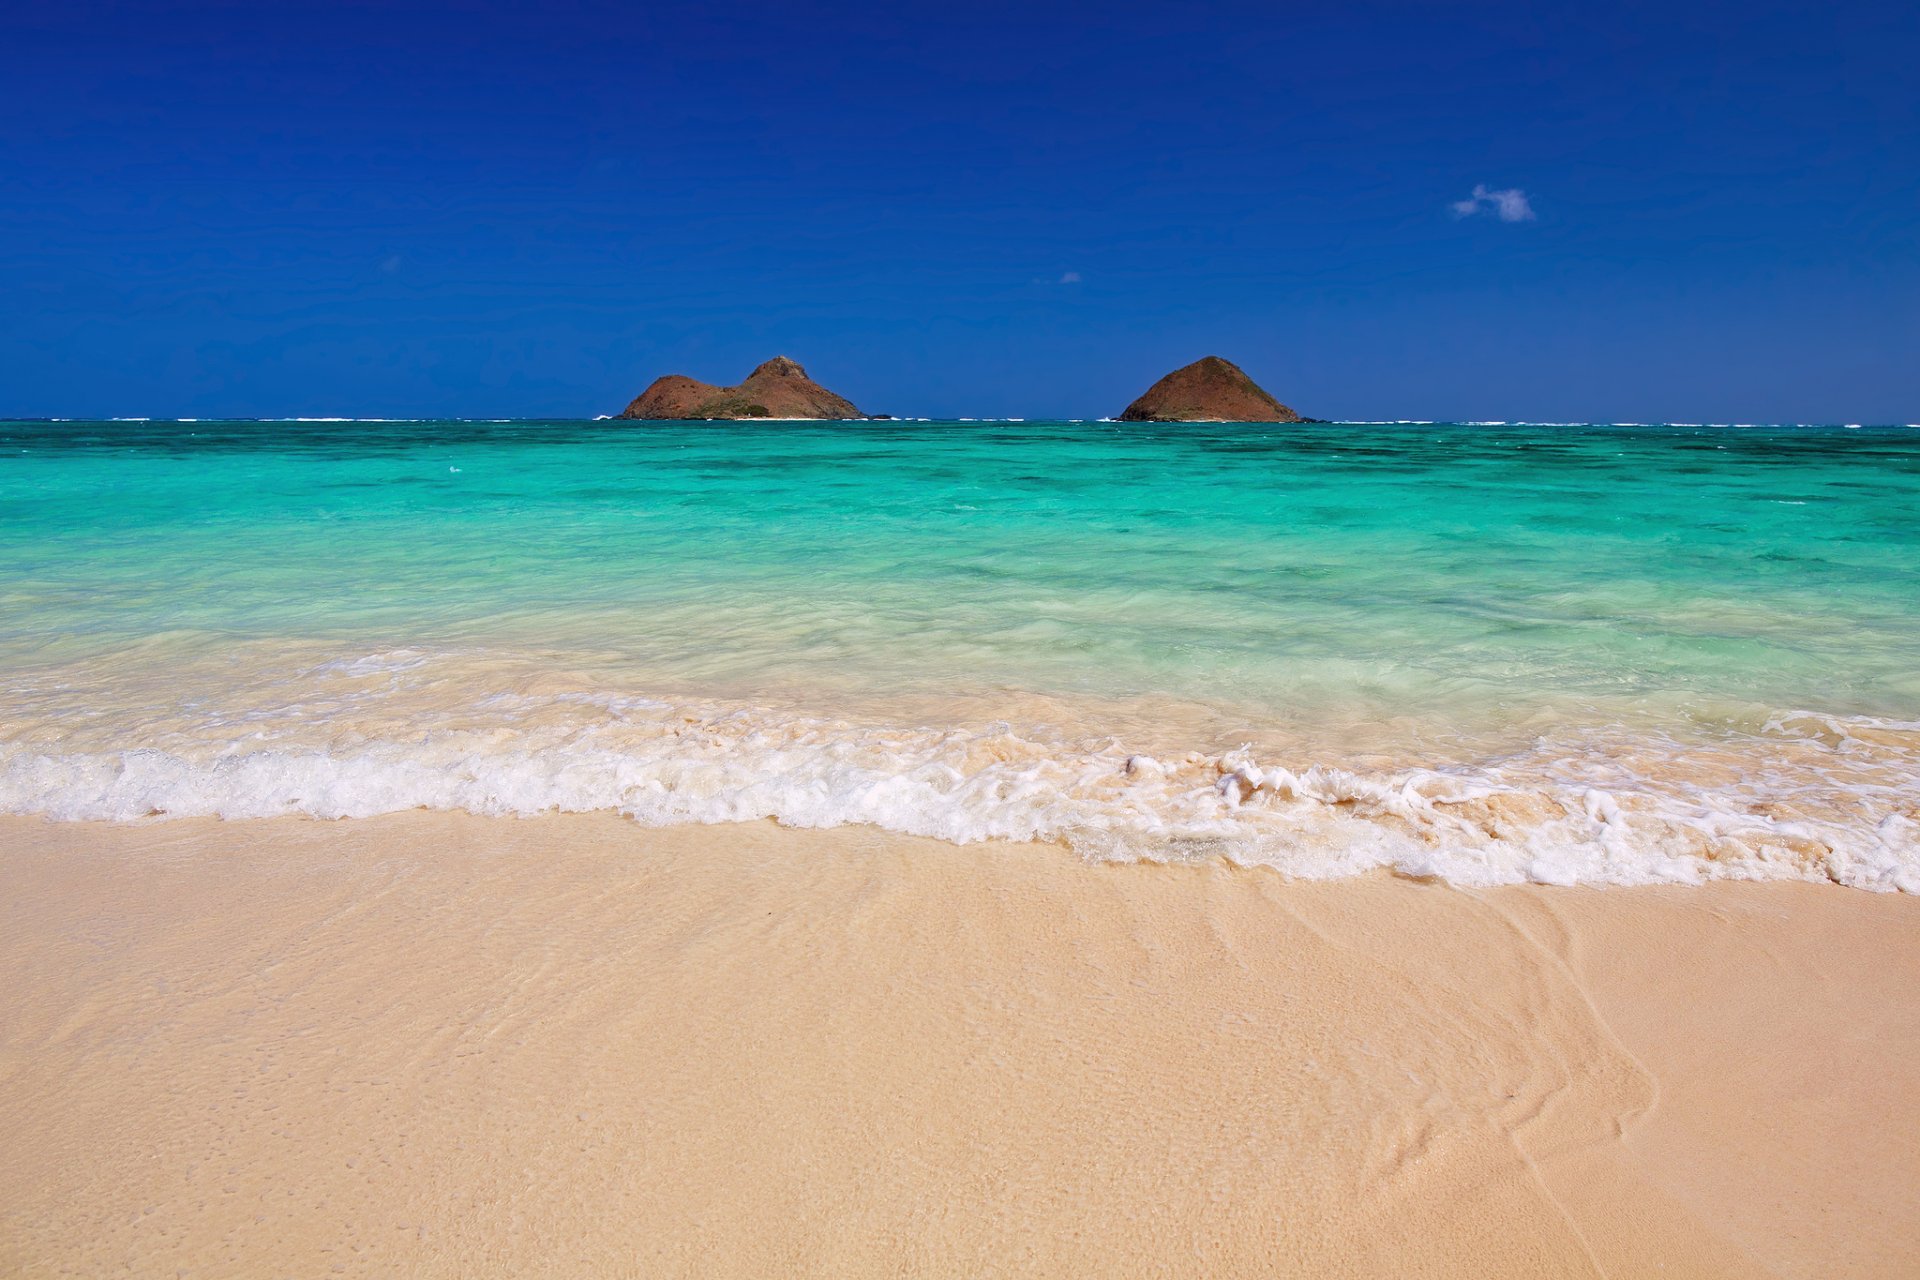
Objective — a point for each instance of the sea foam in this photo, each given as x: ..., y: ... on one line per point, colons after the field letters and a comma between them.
x: 1825, y: 800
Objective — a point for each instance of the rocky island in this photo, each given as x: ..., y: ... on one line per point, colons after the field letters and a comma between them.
x: 780, y: 388
x: 1208, y: 390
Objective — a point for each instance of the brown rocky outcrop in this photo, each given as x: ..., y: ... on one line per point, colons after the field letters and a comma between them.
x: 780, y: 388
x: 1208, y: 390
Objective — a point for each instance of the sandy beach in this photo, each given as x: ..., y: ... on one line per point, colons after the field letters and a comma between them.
x: 1043, y: 640
x: 439, y: 1045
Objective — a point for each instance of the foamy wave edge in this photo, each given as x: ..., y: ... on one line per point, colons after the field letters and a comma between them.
x: 1469, y: 826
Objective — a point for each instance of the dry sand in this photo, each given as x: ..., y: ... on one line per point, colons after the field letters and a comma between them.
x: 435, y: 1045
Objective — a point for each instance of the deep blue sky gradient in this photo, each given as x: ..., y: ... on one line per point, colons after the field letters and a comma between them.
x: 530, y: 209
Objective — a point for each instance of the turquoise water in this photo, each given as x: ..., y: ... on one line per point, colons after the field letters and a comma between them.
x: 1714, y: 629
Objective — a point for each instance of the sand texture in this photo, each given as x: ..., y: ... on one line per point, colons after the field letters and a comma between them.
x: 435, y: 1045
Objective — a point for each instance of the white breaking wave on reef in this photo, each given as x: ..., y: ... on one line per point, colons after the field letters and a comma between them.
x: 1813, y: 797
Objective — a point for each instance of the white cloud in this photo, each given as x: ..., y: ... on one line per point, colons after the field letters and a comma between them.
x: 1071, y: 277
x: 1509, y: 205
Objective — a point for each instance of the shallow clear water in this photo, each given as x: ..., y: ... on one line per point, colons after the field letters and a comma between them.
x: 1649, y: 652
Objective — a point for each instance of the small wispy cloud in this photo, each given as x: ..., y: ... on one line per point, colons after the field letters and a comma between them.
x: 1509, y: 204
x: 1070, y: 277
x: 391, y: 263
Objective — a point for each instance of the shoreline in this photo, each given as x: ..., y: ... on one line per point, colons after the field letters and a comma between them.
x: 1547, y: 793
x: 573, y: 1045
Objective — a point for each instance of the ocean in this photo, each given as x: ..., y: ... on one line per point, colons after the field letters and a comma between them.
x: 1484, y: 653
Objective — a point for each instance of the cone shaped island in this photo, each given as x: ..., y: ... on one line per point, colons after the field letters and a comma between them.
x: 1208, y: 390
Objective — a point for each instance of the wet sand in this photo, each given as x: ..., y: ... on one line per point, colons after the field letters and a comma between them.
x: 438, y: 1045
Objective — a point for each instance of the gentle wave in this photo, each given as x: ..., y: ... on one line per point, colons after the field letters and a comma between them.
x: 1817, y: 798
x: 1486, y: 654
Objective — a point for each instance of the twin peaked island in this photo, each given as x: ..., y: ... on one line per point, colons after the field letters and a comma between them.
x: 1208, y: 390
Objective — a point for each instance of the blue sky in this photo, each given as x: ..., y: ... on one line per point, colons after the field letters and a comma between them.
x: 981, y: 209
